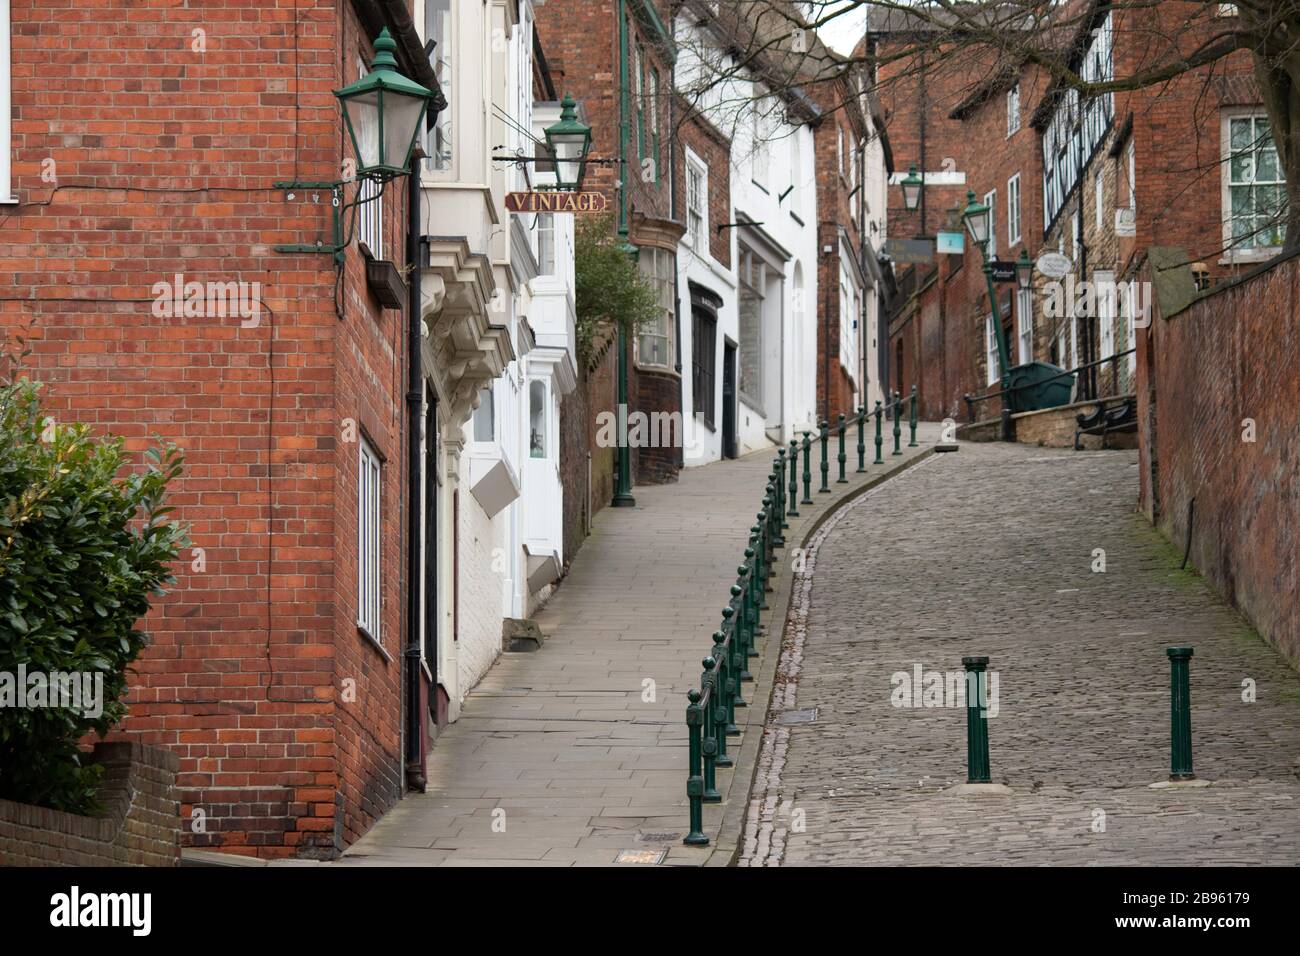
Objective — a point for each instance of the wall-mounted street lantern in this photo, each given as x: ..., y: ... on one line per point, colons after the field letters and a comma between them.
x: 1024, y: 270
x: 912, y: 186
x: 976, y: 217
x: 383, y: 111
x: 570, y: 141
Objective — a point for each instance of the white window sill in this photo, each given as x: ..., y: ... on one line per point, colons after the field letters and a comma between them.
x: 1249, y: 256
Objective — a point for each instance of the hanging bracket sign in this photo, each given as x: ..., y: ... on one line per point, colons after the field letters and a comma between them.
x: 556, y: 201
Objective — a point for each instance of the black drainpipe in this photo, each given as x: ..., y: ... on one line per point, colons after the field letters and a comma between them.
x: 415, y: 778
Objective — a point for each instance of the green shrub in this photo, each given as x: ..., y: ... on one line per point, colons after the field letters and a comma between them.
x: 609, y: 289
x: 84, y: 542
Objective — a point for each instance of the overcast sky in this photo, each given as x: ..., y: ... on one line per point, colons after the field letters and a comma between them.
x: 843, y: 33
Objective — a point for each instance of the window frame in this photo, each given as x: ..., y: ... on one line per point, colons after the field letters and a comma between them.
x: 662, y: 276
x: 1013, y: 109
x: 1233, y: 252
x: 370, y: 483
x: 443, y: 66
x: 991, y: 200
x: 1025, y: 324
x: 1014, y: 208
x: 992, y: 373
x: 545, y: 223
x: 7, y: 195
x: 698, y: 239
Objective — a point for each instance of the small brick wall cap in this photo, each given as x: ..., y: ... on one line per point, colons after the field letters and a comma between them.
x: 1172, y: 279
x: 113, y: 752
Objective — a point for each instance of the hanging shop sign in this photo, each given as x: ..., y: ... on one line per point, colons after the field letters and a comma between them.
x: 951, y: 243
x: 910, y: 251
x: 1002, y: 270
x: 1054, y: 265
x: 556, y: 201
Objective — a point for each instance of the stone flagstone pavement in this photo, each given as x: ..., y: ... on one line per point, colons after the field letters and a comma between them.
x: 568, y: 755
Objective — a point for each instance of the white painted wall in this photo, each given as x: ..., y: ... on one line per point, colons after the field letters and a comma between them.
x: 773, y: 182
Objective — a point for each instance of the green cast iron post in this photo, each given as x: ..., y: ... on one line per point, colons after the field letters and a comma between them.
x: 807, y: 469
x: 780, y: 486
x: 977, y: 730
x: 750, y: 578
x: 695, y: 776
x: 739, y: 660
x: 842, y: 458
x: 862, y: 444
x: 880, y: 442
x: 898, y: 425
x: 721, y: 701
x: 826, y: 464
x: 709, y: 680
x: 911, y: 420
x: 1180, y: 713
x: 794, y: 480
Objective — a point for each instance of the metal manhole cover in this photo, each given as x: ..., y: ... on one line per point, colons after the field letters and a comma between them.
x: 788, y: 717
x: 642, y: 857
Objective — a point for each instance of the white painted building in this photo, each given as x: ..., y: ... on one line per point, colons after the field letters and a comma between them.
x: 752, y: 323
x: 498, y: 308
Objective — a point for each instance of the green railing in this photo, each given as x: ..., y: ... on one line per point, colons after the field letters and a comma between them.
x: 711, y: 709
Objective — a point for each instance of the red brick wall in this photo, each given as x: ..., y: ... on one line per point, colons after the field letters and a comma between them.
x: 713, y: 148
x: 1201, y: 373
x: 581, y: 42
x: 595, y: 390
x: 249, y: 655
x: 835, y: 211
x: 139, y: 826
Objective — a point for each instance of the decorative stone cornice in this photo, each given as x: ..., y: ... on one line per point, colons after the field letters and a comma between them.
x: 463, y: 349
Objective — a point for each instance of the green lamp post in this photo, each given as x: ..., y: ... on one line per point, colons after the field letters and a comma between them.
x: 569, y: 140
x: 977, y: 219
x: 912, y: 185
x: 383, y: 111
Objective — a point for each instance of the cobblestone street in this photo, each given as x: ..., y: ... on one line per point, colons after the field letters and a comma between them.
x: 990, y: 552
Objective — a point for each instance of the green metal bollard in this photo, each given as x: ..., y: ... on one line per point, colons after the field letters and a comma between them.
x: 739, y: 655
x: 807, y: 469
x: 756, y: 542
x: 750, y: 578
x: 722, y: 702
x: 766, y: 540
x: 710, y: 745
x: 826, y: 464
x: 842, y: 457
x: 862, y: 444
x: 728, y: 649
x: 911, y: 420
x: 780, y: 485
x: 898, y: 425
x: 977, y: 729
x: 880, y: 442
x: 748, y: 614
x: 1180, y: 713
x: 744, y: 621
x: 777, y: 485
x: 695, y: 771
x: 793, y: 511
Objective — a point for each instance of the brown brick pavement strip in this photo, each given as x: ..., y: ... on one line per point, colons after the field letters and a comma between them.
x: 989, y: 551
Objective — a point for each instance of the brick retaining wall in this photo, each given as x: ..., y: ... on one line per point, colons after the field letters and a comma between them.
x: 1202, y: 372
x: 140, y: 825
